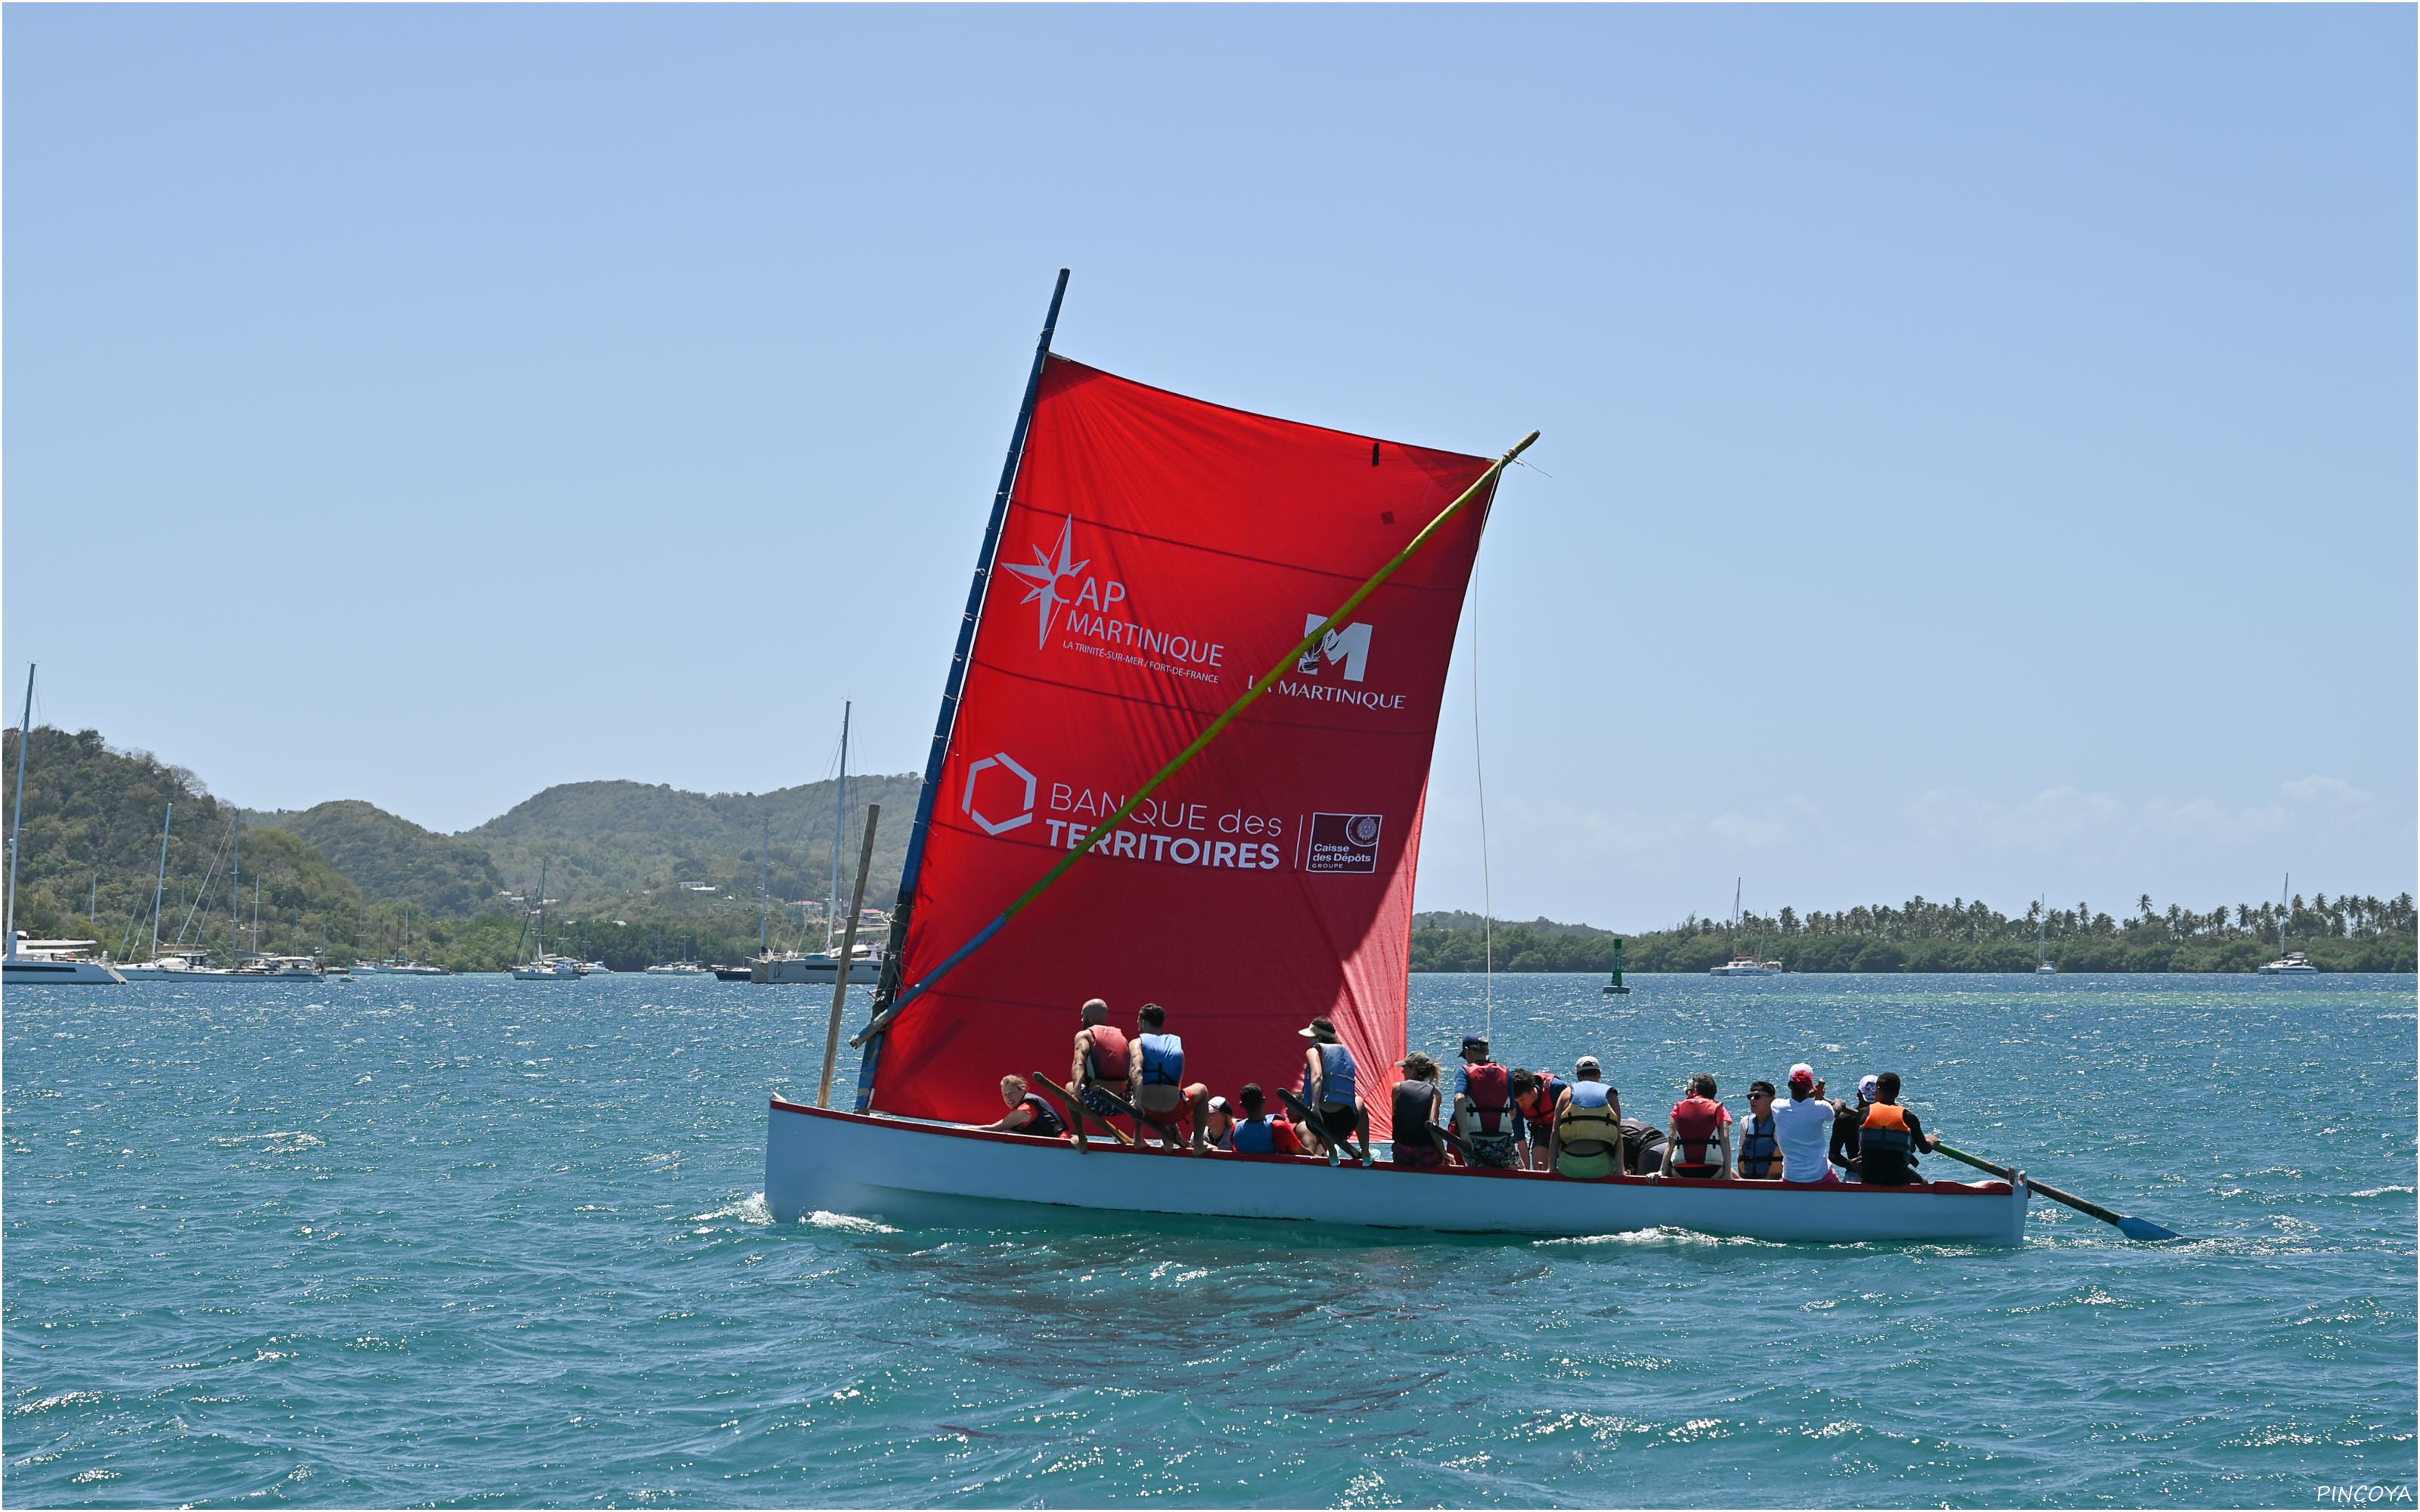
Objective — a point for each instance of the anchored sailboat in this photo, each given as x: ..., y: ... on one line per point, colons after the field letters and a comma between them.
x: 27, y: 960
x: 1182, y: 757
x: 823, y: 966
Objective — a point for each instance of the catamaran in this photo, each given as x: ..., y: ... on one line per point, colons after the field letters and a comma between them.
x: 2289, y: 963
x: 1743, y: 963
x: 1121, y: 802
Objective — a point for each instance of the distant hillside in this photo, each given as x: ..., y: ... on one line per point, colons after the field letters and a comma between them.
x: 646, y: 848
x: 92, y: 816
x: 392, y: 858
x: 1540, y: 928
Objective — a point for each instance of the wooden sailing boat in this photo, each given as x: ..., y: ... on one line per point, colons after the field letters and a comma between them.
x: 1121, y: 802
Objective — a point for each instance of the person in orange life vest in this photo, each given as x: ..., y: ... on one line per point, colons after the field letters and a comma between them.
x: 1256, y: 1133
x: 1418, y: 1102
x: 1331, y: 1088
x: 1759, y: 1147
x: 1155, y: 1071
x: 1027, y: 1112
x: 1102, y: 1057
x: 1483, y: 1108
x: 1888, y: 1143
x: 1535, y: 1093
x: 1698, y: 1142
x: 1219, y: 1124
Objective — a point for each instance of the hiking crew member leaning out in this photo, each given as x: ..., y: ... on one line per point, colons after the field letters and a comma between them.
x: 1101, y: 1061
x: 1535, y: 1093
x: 1256, y: 1133
x: 1416, y: 1101
x: 1847, y: 1123
x: 1483, y: 1108
x: 1156, y: 1070
x: 1329, y: 1087
x: 1760, y: 1151
x: 1697, y: 1143
x: 1801, y: 1125
x: 1891, y: 1139
x: 1586, y: 1139
x: 1027, y: 1113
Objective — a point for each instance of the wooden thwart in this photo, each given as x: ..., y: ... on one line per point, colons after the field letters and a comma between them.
x: 1076, y: 1113
x: 1302, y: 1112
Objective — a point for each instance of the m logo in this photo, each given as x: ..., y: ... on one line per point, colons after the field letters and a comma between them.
x: 1347, y: 643
x: 999, y: 793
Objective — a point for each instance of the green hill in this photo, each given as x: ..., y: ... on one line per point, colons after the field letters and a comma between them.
x: 92, y: 853
x: 392, y: 859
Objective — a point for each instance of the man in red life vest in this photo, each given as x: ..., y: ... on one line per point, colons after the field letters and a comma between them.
x: 1483, y: 1108
x: 1027, y: 1113
x: 1535, y: 1093
x: 1698, y: 1142
x: 1101, y: 1062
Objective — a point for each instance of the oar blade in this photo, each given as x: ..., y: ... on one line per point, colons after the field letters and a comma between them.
x: 2146, y: 1230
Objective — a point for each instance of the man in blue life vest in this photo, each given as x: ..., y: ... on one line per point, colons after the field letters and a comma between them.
x: 1027, y: 1113
x: 1891, y: 1139
x: 1256, y: 1133
x: 1155, y: 1071
x: 1103, y: 1061
x: 1483, y: 1108
x: 1759, y: 1147
x: 1331, y: 1088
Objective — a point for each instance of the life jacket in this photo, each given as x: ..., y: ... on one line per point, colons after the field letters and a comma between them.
x: 1413, y: 1101
x: 1163, y: 1060
x: 1698, y: 1119
x: 1588, y: 1126
x: 1491, y: 1098
x: 1759, y: 1147
x: 1046, y: 1120
x: 1886, y: 1147
x: 1107, y: 1061
x: 1539, y: 1108
x: 1335, y: 1089
x: 1256, y: 1136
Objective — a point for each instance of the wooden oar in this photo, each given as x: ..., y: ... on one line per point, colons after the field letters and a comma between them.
x: 1140, y: 1122
x: 1446, y: 1134
x: 1301, y: 1110
x: 2142, y: 1229
x: 1075, y: 1111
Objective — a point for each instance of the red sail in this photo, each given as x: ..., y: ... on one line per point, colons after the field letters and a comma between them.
x: 1158, y: 554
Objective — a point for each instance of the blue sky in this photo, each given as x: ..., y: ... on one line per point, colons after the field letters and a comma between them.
x: 1979, y: 451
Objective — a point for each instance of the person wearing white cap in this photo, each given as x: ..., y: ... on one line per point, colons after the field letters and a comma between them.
x: 1800, y: 1125
x: 1586, y: 1145
x: 1849, y: 1127
x: 1219, y: 1124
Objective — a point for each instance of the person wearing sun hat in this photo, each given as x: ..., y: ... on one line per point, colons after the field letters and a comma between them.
x: 1330, y: 1086
x: 1801, y: 1124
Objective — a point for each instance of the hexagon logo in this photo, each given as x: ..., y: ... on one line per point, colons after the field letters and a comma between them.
x: 1000, y: 792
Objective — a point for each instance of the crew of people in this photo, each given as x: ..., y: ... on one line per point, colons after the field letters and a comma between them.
x: 1495, y: 1117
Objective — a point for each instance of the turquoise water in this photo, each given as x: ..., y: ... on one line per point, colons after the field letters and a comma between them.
x: 470, y: 1240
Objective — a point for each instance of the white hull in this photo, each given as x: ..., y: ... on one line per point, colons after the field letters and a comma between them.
x: 876, y: 1167
x: 17, y: 971
x: 813, y: 970
x: 2045, y: 969
x: 2278, y: 969
x: 1737, y: 970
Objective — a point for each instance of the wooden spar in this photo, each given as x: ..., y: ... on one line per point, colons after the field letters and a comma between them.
x: 1252, y: 694
x: 1311, y: 1121
x: 1075, y: 1111
x: 886, y: 988
x: 2133, y: 1228
x: 847, y: 952
x: 1140, y: 1122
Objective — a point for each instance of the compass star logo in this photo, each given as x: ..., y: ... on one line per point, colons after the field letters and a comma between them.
x: 1043, y: 576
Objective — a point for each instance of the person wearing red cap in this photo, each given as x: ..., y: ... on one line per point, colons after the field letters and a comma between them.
x: 1804, y: 1126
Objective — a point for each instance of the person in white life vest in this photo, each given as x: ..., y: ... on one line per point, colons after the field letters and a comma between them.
x: 1219, y: 1124
x: 1483, y: 1108
x: 1027, y: 1113
x: 1155, y: 1071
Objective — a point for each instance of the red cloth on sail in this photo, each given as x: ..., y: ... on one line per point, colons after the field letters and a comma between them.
x: 1158, y: 554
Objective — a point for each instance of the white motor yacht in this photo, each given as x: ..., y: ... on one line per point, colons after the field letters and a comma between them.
x: 794, y: 966
x: 280, y: 968
x: 61, y: 961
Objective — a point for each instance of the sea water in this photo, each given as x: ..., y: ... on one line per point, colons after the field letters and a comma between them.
x: 469, y: 1240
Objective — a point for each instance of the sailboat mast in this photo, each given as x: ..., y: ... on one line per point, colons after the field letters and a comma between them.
x: 765, y: 886
x: 16, y: 826
x: 235, y: 904
x: 2284, y: 904
x: 159, y: 888
x: 840, y: 820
